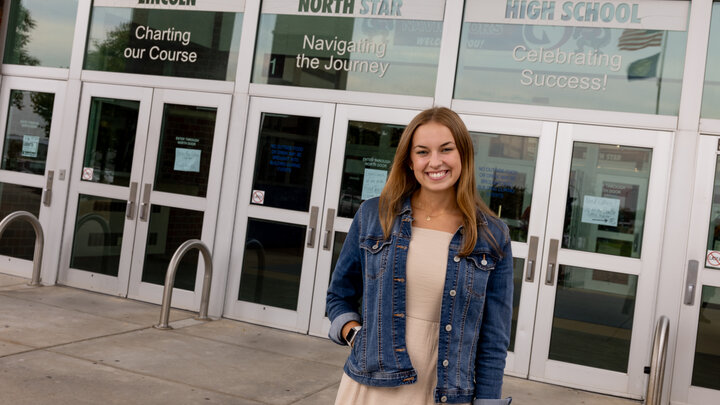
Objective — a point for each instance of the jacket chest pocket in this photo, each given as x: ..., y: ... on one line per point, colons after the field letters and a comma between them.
x: 376, y: 252
x: 477, y: 272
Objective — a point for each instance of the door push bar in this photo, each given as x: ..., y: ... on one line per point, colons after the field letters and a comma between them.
x: 312, y: 226
x: 691, y: 282
x: 329, y: 226
x: 532, y: 258
x: 47, y: 191
x: 170, y: 281
x: 130, y: 208
x: 39, y: 240
x: 145, y: 204
x: 552, y: 262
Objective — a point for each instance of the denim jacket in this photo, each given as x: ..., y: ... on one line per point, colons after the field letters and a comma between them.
x: 475, y: 314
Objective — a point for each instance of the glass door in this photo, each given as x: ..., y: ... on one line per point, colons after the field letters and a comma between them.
x: 30, y: 147
x: 513, y: 169
x: 600, y: 256
x: 276, y: 234
x: 696, y: 376
x: 146, y: 178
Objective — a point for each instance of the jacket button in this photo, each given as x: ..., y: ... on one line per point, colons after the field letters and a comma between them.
x: 484, y: 262
x: 456, y: 259
x: 443, y: 398
x: 446, y: 363
x: 375, y: 246
x: 448, y: 327
x: 452, y: 293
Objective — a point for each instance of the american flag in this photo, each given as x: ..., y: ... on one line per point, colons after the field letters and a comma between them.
x: 632, y: 40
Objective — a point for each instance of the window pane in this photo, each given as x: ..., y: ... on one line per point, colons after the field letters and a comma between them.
x: 196, y: 44
x: 40, y: 32
x: 18, y: 239
x: 272, y: 264
x: 27, y: 133
x: 617, y: 69
x: 505, y: 173
x: 369, y: 153
x: 711, y: 91
x: 361, y: 54
x: 714, y: 232
x: 110, y: 141
x: 285, y: 161
x: 518, y: 267
x: 167, y: 230
x: 186, y: 140
x: 98, y: 235
x: 706, y: 368
x: 605, y: 211
x: 593, y: 318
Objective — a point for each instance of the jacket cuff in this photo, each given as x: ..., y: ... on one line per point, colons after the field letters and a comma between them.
x: 335, y: 333
x: 485, y: 401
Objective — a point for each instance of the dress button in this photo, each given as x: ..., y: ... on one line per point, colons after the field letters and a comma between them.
x: 448, y: 327
x: 443, y: 399
x: 456, y: 259
x: 445, y: 363
x: 452, y: 293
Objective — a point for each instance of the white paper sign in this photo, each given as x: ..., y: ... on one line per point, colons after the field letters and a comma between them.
x: 187, y: 160
x: 373, y: 183
x: 30, y: 145
x: 600, y: 210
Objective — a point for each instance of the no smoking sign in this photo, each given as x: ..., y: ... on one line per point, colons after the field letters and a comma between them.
x: 258, y: 197
x: 712, y: 259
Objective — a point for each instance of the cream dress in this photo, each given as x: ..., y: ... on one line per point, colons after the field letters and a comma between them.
x: 426, y: 266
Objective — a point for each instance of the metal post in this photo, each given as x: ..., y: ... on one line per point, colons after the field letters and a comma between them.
x: 170, y: 281
x: 39, y: 240
x: 657, y: 362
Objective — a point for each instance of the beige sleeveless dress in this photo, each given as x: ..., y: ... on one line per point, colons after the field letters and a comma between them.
x: 426, y: 266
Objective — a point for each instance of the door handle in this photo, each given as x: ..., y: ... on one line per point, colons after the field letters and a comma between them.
x: 311, y: 227
x: 532, y: 257
x: 691, y: 282
x: 552, y: 262
x: 47, y: 191
x: 130, y: 208
x: 329, y: 226
x: 145, y: 204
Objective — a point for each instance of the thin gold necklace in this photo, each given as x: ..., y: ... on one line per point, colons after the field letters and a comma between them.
x: 429, y: 217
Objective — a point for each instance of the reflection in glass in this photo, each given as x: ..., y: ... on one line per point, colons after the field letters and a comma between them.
x: 706, y: 368
x: 186, y: 140
x: 27, y: 133
x: 518, y: 267
x: 167, y: 230
x: 18, y: 239
x: 596, y: 68
x: 272, y: 264
x: 606, y: 199
x: 593, y: 318
x: 393, y: 56
x: 505, y: 173
x: 369, y: 153
x: 338, y: 241
x: 110, y: 141
x: 40, y: 32
x: 98, y: 236
x: 711, y: 89
x: 285, y: 160
x: 714, y: 232
x: 204, y: 44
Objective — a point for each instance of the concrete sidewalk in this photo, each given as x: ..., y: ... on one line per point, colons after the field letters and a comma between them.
x: 60, y: 345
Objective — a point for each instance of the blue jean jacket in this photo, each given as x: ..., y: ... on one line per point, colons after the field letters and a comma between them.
x: 475, y: 314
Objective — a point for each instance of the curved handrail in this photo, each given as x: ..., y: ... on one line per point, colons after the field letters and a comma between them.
x: 39, y: 240
x: 657, y: 362
x: 170, y: 281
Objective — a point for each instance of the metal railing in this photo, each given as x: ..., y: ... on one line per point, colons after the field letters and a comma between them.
x: 170, y: 281
x: 657, y: 362
x: 39, y: 240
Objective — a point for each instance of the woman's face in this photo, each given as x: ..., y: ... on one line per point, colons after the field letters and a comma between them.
x: 434, y: 157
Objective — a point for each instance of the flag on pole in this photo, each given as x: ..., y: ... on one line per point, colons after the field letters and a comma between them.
x: 644, y: 68
x: 632, y: 40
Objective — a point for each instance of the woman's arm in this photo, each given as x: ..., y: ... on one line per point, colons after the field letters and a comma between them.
x: 495, y: 331
x: 346, y: 286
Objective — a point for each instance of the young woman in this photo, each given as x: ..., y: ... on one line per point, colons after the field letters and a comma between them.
x: 422, y: 290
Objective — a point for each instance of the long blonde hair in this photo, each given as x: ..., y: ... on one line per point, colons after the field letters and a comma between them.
x: 401, y: 181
